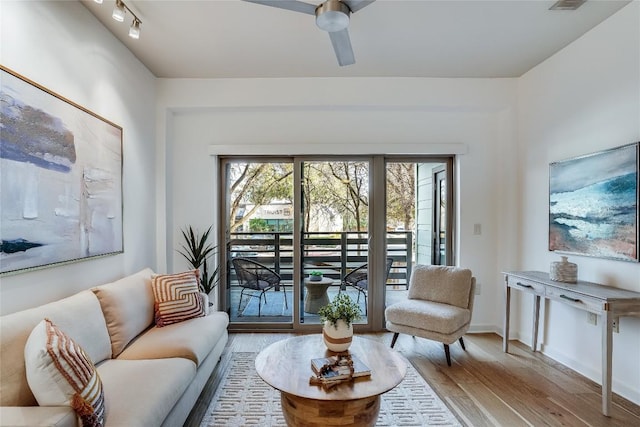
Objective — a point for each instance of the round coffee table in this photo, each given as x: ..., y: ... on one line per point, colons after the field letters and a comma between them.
x: 316, y: 294
x: 286, y: 366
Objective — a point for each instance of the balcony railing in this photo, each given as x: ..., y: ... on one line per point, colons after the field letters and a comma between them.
x: 335, y: 254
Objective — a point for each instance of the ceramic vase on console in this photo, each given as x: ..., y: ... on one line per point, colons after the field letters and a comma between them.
x: 337, y: 337
x: 564, y: 271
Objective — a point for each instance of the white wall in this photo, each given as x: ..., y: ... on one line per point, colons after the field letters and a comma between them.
x: 61, y: 46
x: 341, y: 114
x: 582, y: 100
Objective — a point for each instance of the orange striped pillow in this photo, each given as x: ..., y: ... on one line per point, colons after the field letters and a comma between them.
x: 60, y: 373
x: 177, y: 297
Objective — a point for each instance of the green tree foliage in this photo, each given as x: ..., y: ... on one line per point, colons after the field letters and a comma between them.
x: 339, y: 186
x: 329, y: 188
x: 258, y: 225
x: 258, y: 184
x: 401, y: 198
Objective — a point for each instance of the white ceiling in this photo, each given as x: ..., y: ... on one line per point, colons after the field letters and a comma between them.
x: 390, y: 38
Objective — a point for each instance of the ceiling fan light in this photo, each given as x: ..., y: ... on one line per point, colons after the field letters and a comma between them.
x: 332, y: 16
x: 118, y: 11
x: 332, y: 21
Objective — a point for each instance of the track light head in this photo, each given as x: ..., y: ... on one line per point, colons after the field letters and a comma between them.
x: 134, y: 30
x: 118, y: 11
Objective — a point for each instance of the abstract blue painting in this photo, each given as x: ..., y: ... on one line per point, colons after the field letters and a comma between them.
x: 60, y: 179
x: 593, y: 204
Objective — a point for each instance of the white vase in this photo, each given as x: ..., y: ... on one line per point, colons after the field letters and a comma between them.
x: 337, y: 338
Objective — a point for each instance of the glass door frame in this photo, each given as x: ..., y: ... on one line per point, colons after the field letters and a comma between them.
x: 298, y: 233
x: 376, y: 230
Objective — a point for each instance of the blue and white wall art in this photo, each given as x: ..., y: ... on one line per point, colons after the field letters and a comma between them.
x: 593, y: 204
x: 60, y: 179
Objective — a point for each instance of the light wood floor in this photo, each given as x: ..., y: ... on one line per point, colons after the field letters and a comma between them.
x: 484, y: 386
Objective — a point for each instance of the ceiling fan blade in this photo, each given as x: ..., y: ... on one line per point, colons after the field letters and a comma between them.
x: 342, y: 47
x: 294, y: 5
x: 356, y: 5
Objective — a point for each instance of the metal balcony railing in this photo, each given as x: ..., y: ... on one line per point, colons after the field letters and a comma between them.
x: 335, y: 254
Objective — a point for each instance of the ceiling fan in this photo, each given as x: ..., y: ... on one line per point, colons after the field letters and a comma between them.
x: 332, y: 16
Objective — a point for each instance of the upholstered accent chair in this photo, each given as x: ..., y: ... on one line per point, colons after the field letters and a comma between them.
x: 253, y: 276
x: 358, y: 279
x: 438, y: 307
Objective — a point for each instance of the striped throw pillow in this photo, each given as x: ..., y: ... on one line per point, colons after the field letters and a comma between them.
x: 60, y: 373
x: 177, y: 297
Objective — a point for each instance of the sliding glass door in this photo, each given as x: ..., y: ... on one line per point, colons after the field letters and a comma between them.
x: 335, y: 222
x: 417, y: 213
x: 298, y: 230
x: 258, y: 240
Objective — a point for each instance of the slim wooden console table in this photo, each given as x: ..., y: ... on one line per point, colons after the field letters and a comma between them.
x: 607, y: 302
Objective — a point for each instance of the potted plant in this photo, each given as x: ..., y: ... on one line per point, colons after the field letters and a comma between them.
x: 338, y: 317
x: 315, y: 276
x: 197, y: 252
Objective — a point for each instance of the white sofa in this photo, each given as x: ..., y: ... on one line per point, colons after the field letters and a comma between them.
x: 151, y: 376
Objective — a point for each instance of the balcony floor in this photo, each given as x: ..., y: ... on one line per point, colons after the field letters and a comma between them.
x: 274, y: 309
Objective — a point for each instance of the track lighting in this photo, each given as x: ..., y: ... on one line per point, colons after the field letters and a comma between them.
x: 119, y: 12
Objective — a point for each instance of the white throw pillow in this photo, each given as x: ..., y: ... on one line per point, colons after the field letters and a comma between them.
x: 60, y: 373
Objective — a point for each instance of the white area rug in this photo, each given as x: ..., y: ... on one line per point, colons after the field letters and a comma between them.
x: 243, y: 399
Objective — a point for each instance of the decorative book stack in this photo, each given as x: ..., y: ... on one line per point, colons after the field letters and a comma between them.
x: 332, y: 370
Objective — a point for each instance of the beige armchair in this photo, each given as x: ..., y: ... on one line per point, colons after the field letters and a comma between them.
x: 439, y: 306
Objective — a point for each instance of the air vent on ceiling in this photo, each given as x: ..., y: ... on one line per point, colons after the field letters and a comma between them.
x: 567, y: 4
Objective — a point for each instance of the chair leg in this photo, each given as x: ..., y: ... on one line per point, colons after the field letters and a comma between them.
x: 446, y: 353
x: 240, y: 302
x: 260, y: 302
x: 284, y: 289
x: 395, y: 337
x: 365, y: 303
x: 462, y: 344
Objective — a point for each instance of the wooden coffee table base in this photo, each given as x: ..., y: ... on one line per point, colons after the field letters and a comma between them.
x: 301, y: 411
x: 286, y: 365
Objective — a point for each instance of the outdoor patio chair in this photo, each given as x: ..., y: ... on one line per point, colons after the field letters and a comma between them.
x: 254, y: 276
x: 357, y: 279
x: 438, y: 307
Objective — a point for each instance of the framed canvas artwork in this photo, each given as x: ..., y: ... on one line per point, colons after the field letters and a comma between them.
x: 593, y: 204
x: 60, y: 179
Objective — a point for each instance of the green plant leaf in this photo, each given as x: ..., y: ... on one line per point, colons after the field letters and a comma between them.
x: 197, y: 251
x: 341, y: 307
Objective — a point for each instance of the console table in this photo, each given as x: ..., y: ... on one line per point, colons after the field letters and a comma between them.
x: 607, y: 302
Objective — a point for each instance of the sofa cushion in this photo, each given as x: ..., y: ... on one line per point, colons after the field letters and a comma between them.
x: 60, y: 373
x: 448, y: 285
x: 177, y: 297
x: 52, y: 416
x: 79, y: 316
x: 431, y: 316
x: 192, y: 339
x: 141, y: 393
x: 127, y: 305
